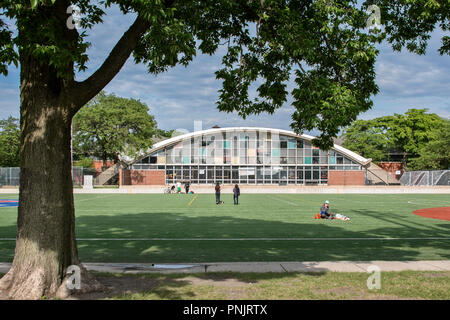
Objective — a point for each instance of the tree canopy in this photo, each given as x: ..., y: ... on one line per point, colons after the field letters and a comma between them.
x: 407, y: 133
x: 435, y: 154
x: 324, y: 43
x: 9, y: 142
x: 109, y: 126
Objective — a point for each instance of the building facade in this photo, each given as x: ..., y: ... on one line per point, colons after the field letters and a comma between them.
x: 246, y: 156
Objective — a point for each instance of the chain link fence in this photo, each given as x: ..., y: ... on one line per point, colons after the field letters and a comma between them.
x: 10, y: 176
x: 426, y: 178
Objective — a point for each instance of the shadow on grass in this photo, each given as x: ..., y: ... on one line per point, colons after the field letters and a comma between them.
x: 352, y: 244
x: 183, y: 286
x: 173, y: 225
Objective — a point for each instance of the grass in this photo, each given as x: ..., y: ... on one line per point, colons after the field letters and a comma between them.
x: 274, y: 286
x: 172, y: 217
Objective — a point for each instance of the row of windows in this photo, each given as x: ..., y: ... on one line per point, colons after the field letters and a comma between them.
x: 247, y: 174
x: 251, y: 160
x: 275, y: 150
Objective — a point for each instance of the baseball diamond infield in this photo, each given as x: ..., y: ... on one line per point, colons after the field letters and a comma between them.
x: 442, y: 213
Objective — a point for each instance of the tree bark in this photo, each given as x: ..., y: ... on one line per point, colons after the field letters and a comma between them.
x: 45, y: 244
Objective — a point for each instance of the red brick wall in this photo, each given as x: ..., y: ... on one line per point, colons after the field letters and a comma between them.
x: 98, y: 164
x: 392, y: 167
x: 143, y: 177
x: 345, y: 178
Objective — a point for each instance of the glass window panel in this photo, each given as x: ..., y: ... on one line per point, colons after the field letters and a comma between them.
x: 243, y: 136
x: 299, y: 173
x: 292, y: 144
x: 283, y: 173
x: 316, y: 175
x: 299, y: 144
x: 267, y: 174
x: 307, y: 174
x: 275, y: 144
x: 275, y: 160
x: 308, y: 160
x: 186, y: 160
x: 275, y: 152
x: 259, y: 172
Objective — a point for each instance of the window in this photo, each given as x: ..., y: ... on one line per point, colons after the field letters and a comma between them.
x: 291, y: 144
x: 186, y: 159
x: 275, y: 152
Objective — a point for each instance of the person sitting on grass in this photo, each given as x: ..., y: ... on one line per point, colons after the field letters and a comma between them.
x: 325, y: 212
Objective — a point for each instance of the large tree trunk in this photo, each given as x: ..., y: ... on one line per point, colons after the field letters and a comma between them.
x: 46, y: 244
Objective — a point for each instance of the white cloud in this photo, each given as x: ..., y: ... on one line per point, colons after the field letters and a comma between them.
x: 181, y: 95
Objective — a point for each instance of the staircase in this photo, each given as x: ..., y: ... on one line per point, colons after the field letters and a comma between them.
x: 107, y: 175
x: 377, y: 175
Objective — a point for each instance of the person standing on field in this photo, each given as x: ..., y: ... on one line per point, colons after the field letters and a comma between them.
x: 217, y: 188
x: 236, y: 194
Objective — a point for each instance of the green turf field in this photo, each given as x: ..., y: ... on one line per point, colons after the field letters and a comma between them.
x: 268, y: 227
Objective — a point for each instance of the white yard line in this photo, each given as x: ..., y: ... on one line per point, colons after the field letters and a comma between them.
x: 249, y: 239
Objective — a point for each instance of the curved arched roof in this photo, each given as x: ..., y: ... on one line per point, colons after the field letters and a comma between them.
x: 166, y: 143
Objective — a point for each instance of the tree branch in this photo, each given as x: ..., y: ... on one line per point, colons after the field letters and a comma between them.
x: 86, y: 90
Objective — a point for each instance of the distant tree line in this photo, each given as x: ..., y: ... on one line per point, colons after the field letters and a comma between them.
x: 111, y: 125
x: 419, y: 139
x: 103, y: 129
x: 9, y: 142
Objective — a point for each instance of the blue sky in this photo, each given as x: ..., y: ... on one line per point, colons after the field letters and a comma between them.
x: 182, y: 95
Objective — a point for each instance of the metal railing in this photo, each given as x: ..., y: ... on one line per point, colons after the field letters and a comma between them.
x: 10, y: 176
x: 426, y: 178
